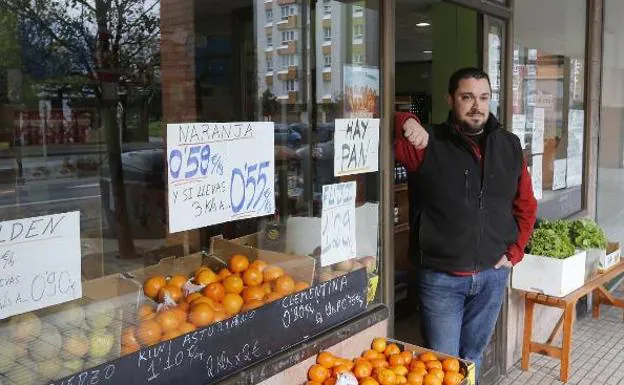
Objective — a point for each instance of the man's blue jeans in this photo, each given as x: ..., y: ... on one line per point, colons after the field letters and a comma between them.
x: 459, y: 313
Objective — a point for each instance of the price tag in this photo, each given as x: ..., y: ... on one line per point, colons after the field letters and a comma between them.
x: 39, y: 262
x: 219, y: 172
x: 338, y: 223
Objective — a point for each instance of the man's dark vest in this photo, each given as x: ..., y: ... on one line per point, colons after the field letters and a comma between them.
x: 460, y: 214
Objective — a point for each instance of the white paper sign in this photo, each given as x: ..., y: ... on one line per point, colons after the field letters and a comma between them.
x: 559, y: 174
x: 536, y: 176
x: 537, y: 141
x: 574, y: 176
x: 518, y: 128
x: 356, y: 146
x: 40, y: 262
x: 338, y: 241
x: 576, y: 122
x: 219, y: 172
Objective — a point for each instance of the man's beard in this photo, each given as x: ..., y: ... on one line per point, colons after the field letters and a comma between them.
x: 470, y: 127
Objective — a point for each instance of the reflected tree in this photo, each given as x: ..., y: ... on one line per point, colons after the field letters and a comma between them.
x: 108, y: 48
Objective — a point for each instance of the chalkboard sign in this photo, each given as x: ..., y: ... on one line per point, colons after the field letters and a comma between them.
x: 210, y: 354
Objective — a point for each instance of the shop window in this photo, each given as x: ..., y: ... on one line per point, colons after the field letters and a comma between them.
x: 132, y: 148
x: 549, y: 99
x: 611, y: 145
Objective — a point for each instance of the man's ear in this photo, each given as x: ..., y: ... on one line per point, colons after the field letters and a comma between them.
x: 449, y: 100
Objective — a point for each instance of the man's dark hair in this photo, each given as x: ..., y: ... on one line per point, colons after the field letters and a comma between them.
x: 466, y: 73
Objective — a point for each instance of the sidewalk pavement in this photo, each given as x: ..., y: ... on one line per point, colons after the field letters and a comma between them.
x: 597, y: 354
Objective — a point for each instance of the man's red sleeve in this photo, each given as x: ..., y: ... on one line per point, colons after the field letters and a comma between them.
x: 404, y: 152
x: 525, y: 213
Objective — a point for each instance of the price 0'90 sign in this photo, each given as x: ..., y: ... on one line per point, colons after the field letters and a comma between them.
x: 219, y: 172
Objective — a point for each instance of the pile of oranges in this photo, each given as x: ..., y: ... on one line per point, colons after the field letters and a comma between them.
x: 241, y: 287
x: 386, y: 364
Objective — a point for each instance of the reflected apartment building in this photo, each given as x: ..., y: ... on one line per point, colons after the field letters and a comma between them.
x: 338, y: 35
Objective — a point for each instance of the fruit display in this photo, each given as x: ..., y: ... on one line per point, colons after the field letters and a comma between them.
x: 339, y: 269
x: 48, y: 345
x: 180, y: 304
x: 385, y: 364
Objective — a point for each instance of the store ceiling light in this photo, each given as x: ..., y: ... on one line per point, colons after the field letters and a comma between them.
x: 427, y: 51
x: 422, y: 24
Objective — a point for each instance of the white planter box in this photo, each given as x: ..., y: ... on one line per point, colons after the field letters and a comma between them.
x: 550, y: 276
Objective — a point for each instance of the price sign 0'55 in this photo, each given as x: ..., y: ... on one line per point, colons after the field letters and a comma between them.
x: 219, y: 172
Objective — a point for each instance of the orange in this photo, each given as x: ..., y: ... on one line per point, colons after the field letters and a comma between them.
x: 318, y: 373
x: 453, y: 378
x: 186, y: 328
x: 271, y: 273
x: 253, y: 293
x: 232, y: 303
x: 437, y: 372
x: 205, y: 300
x: 174, y: 292
x: 414, y: 378
x: 218, y: 307
x: 253, y: 277
x: 433, y: 364
x: 223, y: 274
x: 192, y: 297
x: 251, y: 305
x: 170, y: 335
x: 214, y: 291
x: 419, y: 371
x: 238, y: 263
x: 145, y: 311
x: 427, y: 357
x: 342, y: 368
x: 300, y: 286
x: 284, y: 285
x: 129, y: 349
x: 379, y: 345
x: 379, y: 363
x: 148, y: 332
x: 267, y: 287
x: 205, y: 277
x: 450, y: 365
x: 258, y: 264
x: 407, y: 357
x: 184, y: 306
x: 273, y: 296
x: 326, y: 360
x: 369, y: 381
x: 401, y: 380
x: 362, y: 370
x: 233, y: 284
x: 220, y: 316
x: 432, y: 379
x: 400, y: 370
x: 391, y: 349
x: 177, y: 280
x: 386, y: 377
x: 201, y: 315
x: 313, y: 383
x: 180, y: 313
x: 370, y: 354
x: 416, y: 364
x: 152, y: 286
x: 330, y: 381
x: 128, y: 337
x: 168, y: 320
x: 396, y: 360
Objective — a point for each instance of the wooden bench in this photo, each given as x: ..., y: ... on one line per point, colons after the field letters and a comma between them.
x: 601, y: 296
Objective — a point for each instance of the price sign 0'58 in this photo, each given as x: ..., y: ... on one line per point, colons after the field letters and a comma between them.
x: 219, y: 172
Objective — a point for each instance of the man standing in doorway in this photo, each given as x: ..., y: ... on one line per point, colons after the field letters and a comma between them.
x: 472, y: 211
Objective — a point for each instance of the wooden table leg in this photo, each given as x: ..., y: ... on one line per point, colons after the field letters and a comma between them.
x: 529, y: 307
x: 566, y: 349
x: 596, y: 305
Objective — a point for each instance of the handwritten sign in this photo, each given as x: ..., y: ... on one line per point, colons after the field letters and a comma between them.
x: 338, y: 223
x: 537, y: 142
x: 219, y: 172
x: 356, y: 146
x: 559, y: 174
x: 536, y: 176
x: 210, y: 354
x: 39, y: 262
x: 518, y: 128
